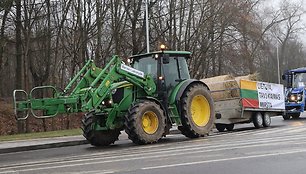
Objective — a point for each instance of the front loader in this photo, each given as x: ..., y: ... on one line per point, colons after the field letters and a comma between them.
x: 145, y: 99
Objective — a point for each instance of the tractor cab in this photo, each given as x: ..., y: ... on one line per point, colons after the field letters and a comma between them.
x: 295, y: 78
x: 295, y: 83
x: 168, y: 68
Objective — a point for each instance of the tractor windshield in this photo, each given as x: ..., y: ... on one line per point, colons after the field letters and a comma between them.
x: 147, y: 65
x: 175, y: 71
x: 299, y: 80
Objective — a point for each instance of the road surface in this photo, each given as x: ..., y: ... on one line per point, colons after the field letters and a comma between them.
x: 279, y: 149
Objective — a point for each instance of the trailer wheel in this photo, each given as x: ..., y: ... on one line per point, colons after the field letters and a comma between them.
x: 230, y: 127
x: 97, y: 137
x: 257, y: 120
x: 296, y: 115
x: 266, y: 120
x: 220, y: 127
x: 197, y: 111
x: 145, y: 122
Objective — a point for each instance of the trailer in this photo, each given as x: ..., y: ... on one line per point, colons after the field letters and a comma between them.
x: 253, y: 101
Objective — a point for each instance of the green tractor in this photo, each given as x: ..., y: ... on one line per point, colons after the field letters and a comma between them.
x: 145, y: 99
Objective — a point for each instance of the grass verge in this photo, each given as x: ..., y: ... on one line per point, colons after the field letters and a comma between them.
x: 50, y: 134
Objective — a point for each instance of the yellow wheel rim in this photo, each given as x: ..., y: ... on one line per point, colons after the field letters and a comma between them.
x: 149, y: 122
x: 200, y: 110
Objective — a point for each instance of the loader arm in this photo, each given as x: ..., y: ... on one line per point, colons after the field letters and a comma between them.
x: 84, y: 92
x: 118, y: 72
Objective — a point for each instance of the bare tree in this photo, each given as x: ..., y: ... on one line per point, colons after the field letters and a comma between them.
x: 6, y: 7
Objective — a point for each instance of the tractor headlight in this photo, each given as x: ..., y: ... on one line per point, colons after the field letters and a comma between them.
x: 295, y: 97
x: 292, y: 98
x: 299, y: 97
x: 107, y: 102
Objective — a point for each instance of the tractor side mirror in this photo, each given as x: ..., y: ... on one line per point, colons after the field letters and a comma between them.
x: 283, y: 77
x: 166, y: 59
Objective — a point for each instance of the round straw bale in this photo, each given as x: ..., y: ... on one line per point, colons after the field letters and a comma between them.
x: 252, y: 77
x: 222, y: 87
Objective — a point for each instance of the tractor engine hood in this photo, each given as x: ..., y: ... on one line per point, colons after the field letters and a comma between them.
x: 295, y: 95
x: 296, y: 90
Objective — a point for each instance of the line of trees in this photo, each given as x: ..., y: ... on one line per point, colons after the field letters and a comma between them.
x: 48, y: 41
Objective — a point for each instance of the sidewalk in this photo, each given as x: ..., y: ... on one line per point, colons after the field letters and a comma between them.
x: 42, y: 143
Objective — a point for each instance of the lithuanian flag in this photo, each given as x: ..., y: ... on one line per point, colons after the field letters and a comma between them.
x: 249, y: 94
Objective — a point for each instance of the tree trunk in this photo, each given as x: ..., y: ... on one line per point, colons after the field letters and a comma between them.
x: 18, y: 82
x: 2, y: 43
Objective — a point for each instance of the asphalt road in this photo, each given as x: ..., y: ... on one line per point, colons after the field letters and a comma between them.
x: 279, y: 149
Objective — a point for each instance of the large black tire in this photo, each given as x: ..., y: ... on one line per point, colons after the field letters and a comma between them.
x: 197, y: 114
x: 296, y: 115
x: 94, y: 137
x: 145, y: 122
x: 257, y: 120
x: 266, y: 120
x: 286, y: 116
x: 220, y: 127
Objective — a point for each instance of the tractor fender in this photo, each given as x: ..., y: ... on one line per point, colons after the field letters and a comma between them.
x: 179, y: 90
x: 184, y: 86
x: 154, y: 100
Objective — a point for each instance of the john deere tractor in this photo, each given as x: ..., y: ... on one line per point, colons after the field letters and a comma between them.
x: 145, y: 99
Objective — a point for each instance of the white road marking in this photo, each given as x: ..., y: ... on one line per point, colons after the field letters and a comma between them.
x: 233, y: 140
x: 9, y: 172
x: 92, y: 162
x: 287, y: 130
x: 173, y: 150
x: 221, y: 160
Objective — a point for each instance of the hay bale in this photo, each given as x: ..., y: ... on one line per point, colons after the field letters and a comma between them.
x: 215, y: 79
x: 222, y: 87
x: 251, y: 77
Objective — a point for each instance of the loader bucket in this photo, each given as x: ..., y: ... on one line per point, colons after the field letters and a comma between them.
x: 42, y: 106
x: 35, y: 103
x: 21, y: 104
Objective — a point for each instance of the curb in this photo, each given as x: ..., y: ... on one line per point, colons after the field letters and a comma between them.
x: 43, y: 146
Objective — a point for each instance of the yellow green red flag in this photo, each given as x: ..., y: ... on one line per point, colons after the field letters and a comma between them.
x: 249, y: 94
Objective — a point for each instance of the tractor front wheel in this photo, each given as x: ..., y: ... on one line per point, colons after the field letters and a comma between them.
x: 197, y: 111
x: 286, y: 116
x: 145, y: 122
x: 296, y: 115
x: 97, y: 137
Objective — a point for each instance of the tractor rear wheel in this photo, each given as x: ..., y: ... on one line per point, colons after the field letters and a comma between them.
x: 197, y: 112
x: 97, y: 137
x: 145, y: 122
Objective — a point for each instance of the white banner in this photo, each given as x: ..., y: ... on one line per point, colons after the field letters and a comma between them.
x: 132, y: 70
x: 271, y: 95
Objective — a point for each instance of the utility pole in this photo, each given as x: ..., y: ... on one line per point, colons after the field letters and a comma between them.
x: 147, y: 26
x: 278, y: 71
